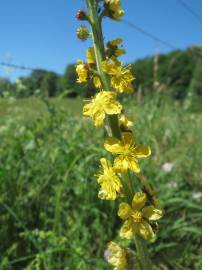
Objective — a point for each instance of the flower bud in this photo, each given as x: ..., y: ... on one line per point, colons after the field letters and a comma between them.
x: 113, y: 9
x: 81, y: 15
x: 82, y: 33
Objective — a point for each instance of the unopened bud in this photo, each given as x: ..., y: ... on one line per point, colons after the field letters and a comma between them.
x: 82, y: 33
x: 81, y: 15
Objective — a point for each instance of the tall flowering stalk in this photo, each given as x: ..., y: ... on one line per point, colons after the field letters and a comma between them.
x: 139, y: 208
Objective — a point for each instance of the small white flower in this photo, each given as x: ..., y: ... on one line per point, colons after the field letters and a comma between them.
x: 167, y: 167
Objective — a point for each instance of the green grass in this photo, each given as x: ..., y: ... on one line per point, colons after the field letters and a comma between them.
x: 27, y: 110
x: 196, y: 106
x: 51, y: 217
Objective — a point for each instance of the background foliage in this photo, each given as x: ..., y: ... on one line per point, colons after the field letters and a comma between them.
x: 51, y: 217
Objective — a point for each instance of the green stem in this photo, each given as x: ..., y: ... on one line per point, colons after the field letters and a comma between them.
x: 100, y: 56
x: 127, y: 188
x: 99, y: 49
x: 142, y: 254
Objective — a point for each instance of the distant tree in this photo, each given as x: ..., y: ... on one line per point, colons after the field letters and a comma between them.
x: 36, y: 78
x: 179, y: 74
x: 6, y: 86
x: 42, y: 81
x: 50, y: 84
x: 70, y: 77
x: 143, y: 72
x: 196, y: 82
x: 68, y: 82
x: 33, y: 81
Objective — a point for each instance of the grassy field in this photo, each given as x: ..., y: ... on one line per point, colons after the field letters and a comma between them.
x: 51, y: 217
x: 29, y: 109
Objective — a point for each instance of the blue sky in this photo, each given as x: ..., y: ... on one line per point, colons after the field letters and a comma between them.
x: 41, y: 33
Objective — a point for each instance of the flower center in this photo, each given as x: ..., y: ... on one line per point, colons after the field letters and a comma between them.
x: 99, y: 103
x: 137, y: 216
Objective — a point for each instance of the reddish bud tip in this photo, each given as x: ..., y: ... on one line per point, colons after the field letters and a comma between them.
x: 81, y: 15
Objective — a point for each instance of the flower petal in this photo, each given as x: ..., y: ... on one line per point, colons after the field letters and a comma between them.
x: 121, y: 164
x: 125, y: 122
x: 90, y: 55
x: 110, y: 186
x: 145, y: 230
x: 112, y: 107
x: 116, y: 42
x: 97, y: 82
x: 119, y: 52
x: 124, y: 211
x: 113, y: 145
x: 127, y: 229
x: 98, y: 118
x: 105, y: 163
x: 151, y: 213
x: 87, y: 109
x: 128, y: 138
x: 133, y: 164
x: 106, y: 66
x: 142, y: 151
x: 139, y: 201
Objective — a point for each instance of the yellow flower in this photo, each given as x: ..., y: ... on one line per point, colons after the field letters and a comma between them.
x: 114, y: 7
x: 90, y: 55
x: 116, y: 256
x: 110, y: 184
x: 121, y: 77
x: 125, y: 122
x: 137, y: 217
x: 127, y: 152
x: 113, y: 50
x: 82, y: 72
x: 97, y: 81
x: 103, y: 103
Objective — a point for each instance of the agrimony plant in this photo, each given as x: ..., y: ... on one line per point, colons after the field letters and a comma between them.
x: 139, y: 208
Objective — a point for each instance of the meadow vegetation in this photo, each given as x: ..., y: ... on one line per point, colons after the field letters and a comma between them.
x: 50, y: 215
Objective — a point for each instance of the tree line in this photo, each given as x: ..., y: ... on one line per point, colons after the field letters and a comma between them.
x: 178, y: 73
